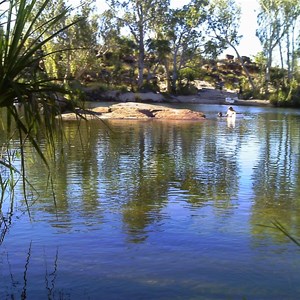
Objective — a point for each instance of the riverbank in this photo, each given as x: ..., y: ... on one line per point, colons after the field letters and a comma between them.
x: 202, y: 100
x: 204, y: 96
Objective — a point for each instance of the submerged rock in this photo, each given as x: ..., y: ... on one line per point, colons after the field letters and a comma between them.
x: 137, y: 111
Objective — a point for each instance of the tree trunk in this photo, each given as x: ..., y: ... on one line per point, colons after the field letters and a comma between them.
x: 288, y: 57
x: 175, y: 71
x: 268, y: 70
x: 253, y: 87
x: 141, y: 59
x: 167, y: 70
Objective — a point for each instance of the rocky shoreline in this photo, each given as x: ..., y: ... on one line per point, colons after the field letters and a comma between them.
x: 145, y: 106
x: 204, y: 96
x: 200, y: 100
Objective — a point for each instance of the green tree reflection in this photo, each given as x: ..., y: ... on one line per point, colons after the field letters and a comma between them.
x: 134, y: 168
x: 276, y: 178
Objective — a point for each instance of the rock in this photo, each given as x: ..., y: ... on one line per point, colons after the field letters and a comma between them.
x: 79, y: 115
x: 137, y: 111
x: 126, y: 113
x: 179, y: 114
x: 101, y: 110
x: 136, y: 105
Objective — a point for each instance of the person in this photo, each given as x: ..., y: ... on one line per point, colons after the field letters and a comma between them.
x: 230, y: 112
x: 220, y: 114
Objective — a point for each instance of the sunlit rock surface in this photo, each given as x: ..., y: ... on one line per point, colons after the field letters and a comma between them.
x: 136, y: 111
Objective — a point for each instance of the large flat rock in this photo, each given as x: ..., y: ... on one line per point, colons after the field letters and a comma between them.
x: 136, y: 111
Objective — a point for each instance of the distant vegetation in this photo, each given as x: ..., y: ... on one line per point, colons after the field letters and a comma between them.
x: 147, y: 45
x: 150, y: 46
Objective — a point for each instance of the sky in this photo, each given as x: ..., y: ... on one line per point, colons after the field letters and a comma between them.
x: 250, y: 44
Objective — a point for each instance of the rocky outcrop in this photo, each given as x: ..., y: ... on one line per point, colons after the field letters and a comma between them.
x: 117, y: 96
x: 207, y: 94
x: 135, y: 111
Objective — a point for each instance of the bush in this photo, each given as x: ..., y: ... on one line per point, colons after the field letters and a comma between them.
x: 188, y: 89
x: 188, y: 74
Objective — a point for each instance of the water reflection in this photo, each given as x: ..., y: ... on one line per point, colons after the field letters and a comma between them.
x: 19, y: 285
x: 276, y: 177
x: 134, y: 167
x: 154, y: 193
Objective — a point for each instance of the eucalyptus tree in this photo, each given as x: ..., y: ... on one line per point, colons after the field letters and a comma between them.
x: 291, y: 14
x: 83, y: 39
x: 138, y: 17
x: 112, y: 47
x: 55, y: 61
x: 160, y: 48
x: 183, y: 30
x: 272, y: 28
x: 223, y: 27
x: 73, y: 50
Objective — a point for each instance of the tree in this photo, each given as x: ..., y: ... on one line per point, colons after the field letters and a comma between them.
x: 272, y: 28
x: 55, y: 64
x: 223, y: 26
x: 72, y: 52
x: 137, y: 16
x: 291, y: 13
x: 83, y: 40
x: 183, y: 29
x: 160, y: 49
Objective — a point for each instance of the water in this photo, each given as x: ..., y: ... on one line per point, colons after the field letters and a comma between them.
x: 162, y: 210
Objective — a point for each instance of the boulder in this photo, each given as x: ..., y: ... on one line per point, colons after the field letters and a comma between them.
x: 179, y: 114
x: 126, y: 113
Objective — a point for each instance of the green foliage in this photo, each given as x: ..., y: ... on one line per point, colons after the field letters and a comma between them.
x: 287, y: 97
x: 188, y: 74
x: 186, y: 89
x: 122, y: 88
x: 138, y: 17
x: 73, y: 51
x: 279, y: 98
x: 150, y: 86
x: 23, y: 78
x: 179, y: 36
x: 280, y: 227
x: 223, y: 22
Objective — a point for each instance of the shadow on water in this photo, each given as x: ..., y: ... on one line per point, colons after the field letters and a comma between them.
x: 21, y: 287
x: 3, y: 228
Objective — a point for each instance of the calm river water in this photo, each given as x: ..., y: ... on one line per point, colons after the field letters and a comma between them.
x: 161, y: 210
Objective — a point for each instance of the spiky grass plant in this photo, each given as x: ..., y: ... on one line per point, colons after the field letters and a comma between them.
x: 23, y: 37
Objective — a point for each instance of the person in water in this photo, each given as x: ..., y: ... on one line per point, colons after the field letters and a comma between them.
x: 230, y: 112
